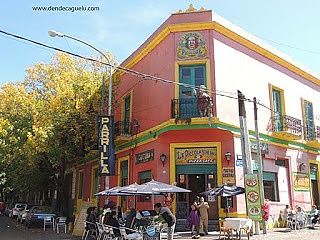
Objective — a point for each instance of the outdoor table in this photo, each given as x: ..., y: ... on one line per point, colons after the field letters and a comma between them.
x: 237, y: 224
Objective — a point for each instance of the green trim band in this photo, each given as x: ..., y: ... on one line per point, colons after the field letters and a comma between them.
x: 220, y: 125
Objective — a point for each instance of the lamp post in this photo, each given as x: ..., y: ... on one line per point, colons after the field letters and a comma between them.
x: 53, y: 33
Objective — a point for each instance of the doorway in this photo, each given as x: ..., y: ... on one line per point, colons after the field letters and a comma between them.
x: 196, y: 183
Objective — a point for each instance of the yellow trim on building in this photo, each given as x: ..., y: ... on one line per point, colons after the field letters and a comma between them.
x: 177, y: 64
x: 173, y: 146
x: 120, y: 160
x: 149, y: 46
x: 318, y: 178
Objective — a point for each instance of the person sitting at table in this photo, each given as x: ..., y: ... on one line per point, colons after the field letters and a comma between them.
x: 112, y: 221
x: 314, y: 216
x: 300, y: 217
x: 285, y: 215
x: 131, y: 220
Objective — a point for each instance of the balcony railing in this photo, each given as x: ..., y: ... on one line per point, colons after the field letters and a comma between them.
x: 185, y: 108
x: 318, y: 132
x: 281, y: 124
x: 122, y: 128
x: 126, y: 128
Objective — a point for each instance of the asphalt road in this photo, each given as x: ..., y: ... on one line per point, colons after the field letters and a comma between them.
x: 12, y: 230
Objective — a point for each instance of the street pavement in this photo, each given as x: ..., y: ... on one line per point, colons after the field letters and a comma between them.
x: 11, y: 230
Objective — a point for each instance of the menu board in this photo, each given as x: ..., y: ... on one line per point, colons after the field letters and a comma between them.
x: 81, y: 218
x: 253, y: 197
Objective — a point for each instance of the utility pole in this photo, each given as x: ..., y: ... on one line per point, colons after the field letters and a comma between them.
x: 244, y: 135
x: 260, y: 162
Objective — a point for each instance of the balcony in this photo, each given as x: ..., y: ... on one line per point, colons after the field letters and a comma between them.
x: 187, y: 108
x: 285, y: 127
x: 123, y: 131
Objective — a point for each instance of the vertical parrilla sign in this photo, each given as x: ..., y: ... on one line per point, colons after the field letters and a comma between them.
x: 106, y: 145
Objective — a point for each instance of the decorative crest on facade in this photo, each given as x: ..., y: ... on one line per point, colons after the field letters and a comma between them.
x: 191, y: 45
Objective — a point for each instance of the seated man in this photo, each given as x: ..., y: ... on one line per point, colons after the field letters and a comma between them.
x: 314, y: 216
x: 112, y: 221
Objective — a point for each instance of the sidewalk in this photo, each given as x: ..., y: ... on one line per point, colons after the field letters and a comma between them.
x: 275, y: 234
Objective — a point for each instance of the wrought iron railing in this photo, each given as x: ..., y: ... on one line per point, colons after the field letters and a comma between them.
x: 122, y: 128
x: 126, y: 128
x: 284, y: 123
x: 318, y: 132
x: 185, y: 108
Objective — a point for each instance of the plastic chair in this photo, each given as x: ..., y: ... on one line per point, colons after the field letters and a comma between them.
x: 61, y: 222
x: 48, y: 221
x: 89, y: 228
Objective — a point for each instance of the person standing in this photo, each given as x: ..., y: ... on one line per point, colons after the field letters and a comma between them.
x: 193, y: 220
x: 168, y: 217
x: 204, y: 220
x: 285, y: 215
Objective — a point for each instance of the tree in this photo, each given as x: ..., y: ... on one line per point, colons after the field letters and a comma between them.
x: 48, y: 122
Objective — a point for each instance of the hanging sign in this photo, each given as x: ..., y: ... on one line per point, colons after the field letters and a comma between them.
x: 228, y: 175
x: 106, y: 145
x: 253, y: 197
x: 196, y: 155
x: 145, y: 156
x: 191, y: 45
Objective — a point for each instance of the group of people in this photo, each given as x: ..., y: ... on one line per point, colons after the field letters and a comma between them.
x: 112, y: 216
x: 314, y: 215
x: 198, y: 218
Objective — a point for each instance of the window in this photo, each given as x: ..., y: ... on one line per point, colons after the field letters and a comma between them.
x: 144, y: 177
x: 308, y: 119
x: 270, y: 186
x: 127, y: 114
x: 80, y: 186
x: 194, y: 75
x: 95, y: 179
x: 124, y: 173
x: 277, y: 106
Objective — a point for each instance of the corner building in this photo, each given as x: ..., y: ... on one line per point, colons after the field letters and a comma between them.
x: 161, y: 134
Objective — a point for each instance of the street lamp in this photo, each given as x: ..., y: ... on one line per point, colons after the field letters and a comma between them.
x: 53, y: 33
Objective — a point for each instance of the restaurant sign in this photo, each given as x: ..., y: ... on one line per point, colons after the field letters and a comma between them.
x: 253, y: 197
x: 106, y: 145
x: 301, y: 182
x: 196, y: 155
x: 145, y: 156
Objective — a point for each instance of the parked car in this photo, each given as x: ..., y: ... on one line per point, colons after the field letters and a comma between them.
x: 17, y: 207
x: 22, y: 214
x: 36, y: 215
x: 2, y: 207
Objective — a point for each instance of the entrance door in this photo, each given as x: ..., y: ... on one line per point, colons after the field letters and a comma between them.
x: 196, y: 185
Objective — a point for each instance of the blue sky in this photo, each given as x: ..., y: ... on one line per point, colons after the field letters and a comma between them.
x: 120, y: 26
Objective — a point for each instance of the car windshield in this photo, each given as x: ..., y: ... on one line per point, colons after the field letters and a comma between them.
x: 42, y: 209
x: 20, y: 205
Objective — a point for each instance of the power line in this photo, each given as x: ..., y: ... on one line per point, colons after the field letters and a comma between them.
x: 127, y: 70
